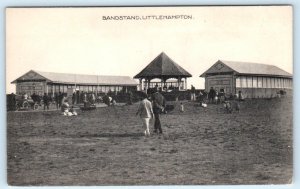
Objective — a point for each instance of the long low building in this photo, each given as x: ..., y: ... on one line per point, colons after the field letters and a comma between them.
x: 48, y: 82
x: 252, y: 79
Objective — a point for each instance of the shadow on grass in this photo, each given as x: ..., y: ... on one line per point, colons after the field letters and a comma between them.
x: 113, y: 135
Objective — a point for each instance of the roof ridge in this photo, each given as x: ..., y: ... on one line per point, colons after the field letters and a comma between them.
x: 37, y: 71
x: 243, y: 62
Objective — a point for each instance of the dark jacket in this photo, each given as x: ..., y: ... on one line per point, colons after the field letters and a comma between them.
x: 159, y: 102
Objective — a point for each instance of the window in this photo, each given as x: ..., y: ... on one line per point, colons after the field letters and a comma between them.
x: 112, y: 88
x: 254, y: 82
x: 268, y: 83
x: 243, y: 82
x: 277, y: 82
x: 56, y: 88
x: 49, y: 88
x: 272, y: 83
x: 264, y: 83
x: 106, y: 89
x: 85, y: 88
x: 249, y: 82
x: 238, y: 82
x: 259, y: 82
x: 280, y: 83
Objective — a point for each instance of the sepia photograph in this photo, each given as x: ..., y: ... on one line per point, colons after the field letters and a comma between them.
x: 161, y: 95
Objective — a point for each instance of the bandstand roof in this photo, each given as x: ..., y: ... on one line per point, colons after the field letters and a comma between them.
x: 163, y: 67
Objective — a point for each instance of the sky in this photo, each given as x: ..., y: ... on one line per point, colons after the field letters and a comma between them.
x: 79, y: 40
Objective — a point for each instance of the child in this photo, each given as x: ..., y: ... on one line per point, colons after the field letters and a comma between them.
x: 228, y: 107
x: 181, y: 107
x: 72, y: 111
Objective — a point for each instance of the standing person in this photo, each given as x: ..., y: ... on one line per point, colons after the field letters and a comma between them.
x: 64, y: 103
x: 159, y: 103
x: 145, y: 112
x: 241, y: 96
x: 60, y: 97
x: 77, y: 97
x: 216, y: 97
x: 193, y: 93
x: 85, y: 100
x: 211, y: 95
x: 56, y: 100
x: 130, y: 98
x: 25, y: 96
x: 181, y: 107
x: 74, y: 98
x: 93, y: 98
x: 81, y: 97
x: 46, y: 101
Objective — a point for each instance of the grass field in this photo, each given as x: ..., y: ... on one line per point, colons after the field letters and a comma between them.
x: 199, y: 146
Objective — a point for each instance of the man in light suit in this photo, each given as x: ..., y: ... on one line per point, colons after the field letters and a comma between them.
x: 146, y: 113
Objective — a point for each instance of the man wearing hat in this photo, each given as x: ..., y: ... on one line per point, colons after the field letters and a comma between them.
x: 145, y: 112
x: 159, y: 104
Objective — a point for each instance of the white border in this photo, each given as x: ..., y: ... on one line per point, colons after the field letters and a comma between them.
x: 67, y: 3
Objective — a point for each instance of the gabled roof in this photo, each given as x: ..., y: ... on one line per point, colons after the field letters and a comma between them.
x: 68, y: 78
x: 246, y: 68
x: 163, y: 66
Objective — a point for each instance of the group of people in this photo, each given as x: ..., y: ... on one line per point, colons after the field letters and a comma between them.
x: 80, y: 97
x: 215, y: 96
x: 151, y: 107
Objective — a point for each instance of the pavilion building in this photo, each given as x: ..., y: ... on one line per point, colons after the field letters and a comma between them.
x: 252, y: 79
x: 163, y: 73
x: 49, y: 82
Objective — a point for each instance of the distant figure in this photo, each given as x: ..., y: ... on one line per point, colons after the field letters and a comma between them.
x: 72, y: 110
x: 46, y: 101
x: 193, y: 93
x: 114, y: 102
x: 200, y: 97
x: 228, y: 106
x: 222, y: 95
x: 156, y: 87
x: 93, y: 98
x: 81, y: 97
x: 165, y: 88
x: 181, y: 107
x: 159, y: 104
x: 211, y: 95
x: 241, y: 96
x: 130, y: 98
x: 85, y: 100
x: 60, y: 97
x: 216, y: 98
x: 56, y: 98
x: 145, y: 112
x: 73, y: 98
x: 106, y: 100
x: 77, y: 97
x: 34, y: 97
x: 64, y: 103
x: 25, y: 96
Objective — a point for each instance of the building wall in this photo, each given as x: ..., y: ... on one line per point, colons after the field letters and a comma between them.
x: 219, y: 82
x: 262, y: 87
x: 30, y: 87
x: 42, y: 87
x: 263, y: 92
x: 250, y: 86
